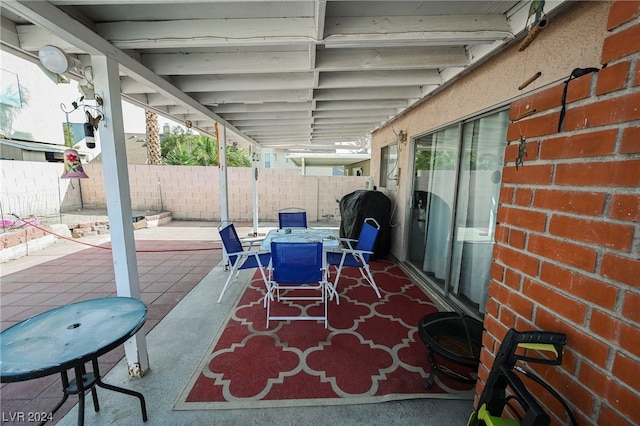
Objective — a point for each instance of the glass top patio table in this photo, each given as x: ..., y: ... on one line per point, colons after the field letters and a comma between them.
x: 67, y: 338
x: 62, y: 338
x: 327, y: 236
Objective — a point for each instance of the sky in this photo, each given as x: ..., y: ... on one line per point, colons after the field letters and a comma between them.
x: 43, y: 103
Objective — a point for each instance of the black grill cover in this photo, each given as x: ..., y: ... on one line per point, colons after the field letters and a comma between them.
x: 361, y: 204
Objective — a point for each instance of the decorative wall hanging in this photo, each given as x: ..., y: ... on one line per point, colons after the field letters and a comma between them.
x: 72, y: 165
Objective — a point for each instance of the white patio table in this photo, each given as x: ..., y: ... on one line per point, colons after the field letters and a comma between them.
x: 327, y: 236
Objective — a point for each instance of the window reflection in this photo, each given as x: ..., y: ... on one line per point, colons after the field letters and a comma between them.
x: 457, y: 181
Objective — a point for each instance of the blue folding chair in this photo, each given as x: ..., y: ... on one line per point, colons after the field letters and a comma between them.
x: 358, y: 256
x: 292, y: 217
x: 297, y: 266
x: 239, y: 257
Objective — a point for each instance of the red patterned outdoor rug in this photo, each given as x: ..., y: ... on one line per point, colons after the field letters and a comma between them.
x: 371, y: 351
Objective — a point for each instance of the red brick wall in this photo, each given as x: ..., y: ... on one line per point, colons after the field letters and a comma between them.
x: 20, y: 236
x: 568, y: 243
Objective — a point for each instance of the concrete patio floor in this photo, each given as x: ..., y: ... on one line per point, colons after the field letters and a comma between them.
x: 183, y: 319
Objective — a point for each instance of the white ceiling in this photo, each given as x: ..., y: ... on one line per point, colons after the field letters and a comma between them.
x: 300, y: 75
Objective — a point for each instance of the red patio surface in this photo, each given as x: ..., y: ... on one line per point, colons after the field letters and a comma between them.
x: 168, y: 270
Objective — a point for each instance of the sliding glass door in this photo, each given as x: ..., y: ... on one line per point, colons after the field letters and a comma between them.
x: 436, y: 159
x: 455, y: 198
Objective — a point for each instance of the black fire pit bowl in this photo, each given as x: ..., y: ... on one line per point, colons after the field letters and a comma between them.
x: 453, y: 343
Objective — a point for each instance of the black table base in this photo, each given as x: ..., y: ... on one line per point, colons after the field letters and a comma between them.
x: 89, y: 381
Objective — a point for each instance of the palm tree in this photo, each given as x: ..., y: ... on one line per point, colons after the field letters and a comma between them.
x: 205, y: 151
x: 237, y: 157
x: 193, y: 149
x: 181, y: 156
x: 154, y: 154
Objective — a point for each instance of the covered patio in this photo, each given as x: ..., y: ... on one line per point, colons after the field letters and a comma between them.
x: 291, y: 75
x: 406, y: 78
x: 180, y: 292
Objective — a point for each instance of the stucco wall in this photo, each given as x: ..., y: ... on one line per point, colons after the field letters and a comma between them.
x: 571, y: 40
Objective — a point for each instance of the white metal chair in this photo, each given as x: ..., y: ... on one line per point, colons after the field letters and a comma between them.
x: 297, y: 266
x: 240, y: 257
x: 358, y: 256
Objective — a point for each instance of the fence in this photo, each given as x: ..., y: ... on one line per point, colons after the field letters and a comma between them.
x: 188, y: 192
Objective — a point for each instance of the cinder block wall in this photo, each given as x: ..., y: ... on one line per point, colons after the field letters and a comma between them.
x: 35, y: 188
x: 193, y: 192
x: 568, y: 243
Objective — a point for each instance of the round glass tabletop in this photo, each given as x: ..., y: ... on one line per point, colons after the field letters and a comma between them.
x: 66, y: 336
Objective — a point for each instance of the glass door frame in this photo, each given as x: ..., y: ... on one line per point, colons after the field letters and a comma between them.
x: 432, y: 285
x: 443, y: 291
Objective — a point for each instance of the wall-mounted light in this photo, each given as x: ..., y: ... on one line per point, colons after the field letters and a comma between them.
x: 401, y: 135
x: 402, y: 138
x: 56, y: 60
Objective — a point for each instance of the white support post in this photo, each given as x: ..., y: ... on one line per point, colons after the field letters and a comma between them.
x: 222, y: 164
x: 116, y: 176
x: 255, y: 157
x: 222, y: 180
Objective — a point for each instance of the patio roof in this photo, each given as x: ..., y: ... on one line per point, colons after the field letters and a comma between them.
x: 320, y: 159
x: 282, y: 74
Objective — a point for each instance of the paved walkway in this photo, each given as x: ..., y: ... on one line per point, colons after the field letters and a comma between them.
x: 181, y: 289
x: 170, y: 264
